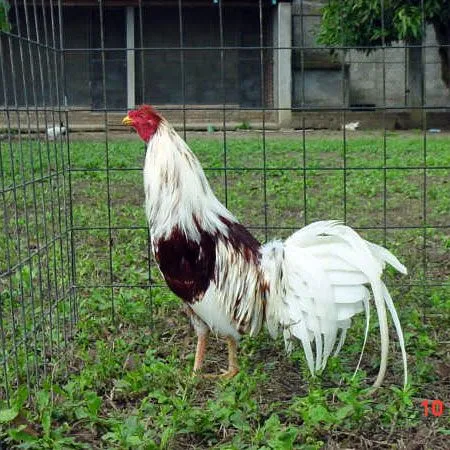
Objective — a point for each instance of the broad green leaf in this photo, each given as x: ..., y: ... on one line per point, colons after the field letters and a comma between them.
x: 7, y: 415
x: 344, y: 412
x: 134, y: 441
x: 43, y: 399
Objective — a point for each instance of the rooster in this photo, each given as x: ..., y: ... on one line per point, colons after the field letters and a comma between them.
x: 351, y: 126
x: 308, y: 287
x: 55, y: 132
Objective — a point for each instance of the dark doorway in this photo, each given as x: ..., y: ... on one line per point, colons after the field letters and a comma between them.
x: 114, y: 87
x: 210, y: 75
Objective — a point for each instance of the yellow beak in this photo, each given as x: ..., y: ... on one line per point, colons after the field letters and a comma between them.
x: 127, y: 121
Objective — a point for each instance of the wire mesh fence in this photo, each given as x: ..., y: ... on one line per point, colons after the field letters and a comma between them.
x: 73, y: 229
x: 37, y: 302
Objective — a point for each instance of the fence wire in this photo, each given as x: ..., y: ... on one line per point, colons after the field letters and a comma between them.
x: 82, y: 67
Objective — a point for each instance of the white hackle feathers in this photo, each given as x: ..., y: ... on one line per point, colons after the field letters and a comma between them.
x: 177, y: 190
x: 319, y: 280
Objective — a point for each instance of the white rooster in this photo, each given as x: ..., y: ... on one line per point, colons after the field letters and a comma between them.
x: 351, y: 126
x: 56, y: 131
x: 309, y: 286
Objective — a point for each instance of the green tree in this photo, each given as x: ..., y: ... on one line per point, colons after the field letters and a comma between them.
x: 368, y: 24
x: 4, y: 8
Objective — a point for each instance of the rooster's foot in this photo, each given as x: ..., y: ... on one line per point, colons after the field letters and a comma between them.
x: 225, y: 375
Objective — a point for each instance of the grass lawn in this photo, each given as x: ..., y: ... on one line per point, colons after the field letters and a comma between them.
x: 121, y: 376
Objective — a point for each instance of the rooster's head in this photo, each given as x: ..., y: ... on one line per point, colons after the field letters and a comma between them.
x: 145, y: 120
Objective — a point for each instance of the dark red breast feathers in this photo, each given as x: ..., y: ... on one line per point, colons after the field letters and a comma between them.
x: 189, y: 266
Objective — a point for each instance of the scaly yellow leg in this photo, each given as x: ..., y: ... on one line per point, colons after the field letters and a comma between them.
x: 202, y: 340
x: 233, y: 367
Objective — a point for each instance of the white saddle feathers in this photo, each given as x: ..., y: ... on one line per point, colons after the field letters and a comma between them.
x: 319, y: 280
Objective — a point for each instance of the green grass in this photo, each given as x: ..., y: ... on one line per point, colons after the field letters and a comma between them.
x: 126, y: 383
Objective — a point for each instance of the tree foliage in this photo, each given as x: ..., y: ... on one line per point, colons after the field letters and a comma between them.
x: 368, y: 24
x: 4, y: 8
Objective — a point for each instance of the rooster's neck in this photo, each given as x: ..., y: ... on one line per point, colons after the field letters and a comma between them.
x: 177, y: 193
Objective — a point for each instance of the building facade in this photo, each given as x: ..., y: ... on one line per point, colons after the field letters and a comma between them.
x: 116, y: 54
x: 355, y: 78
x: 242, y: 56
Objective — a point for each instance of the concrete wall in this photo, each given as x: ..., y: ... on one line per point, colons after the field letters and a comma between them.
x: 282, y: 62
x: 319, y: 79
x: 436, y: 93
x: 379, y: 78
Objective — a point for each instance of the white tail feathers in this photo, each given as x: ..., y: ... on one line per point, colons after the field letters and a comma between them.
x: 319, y: 278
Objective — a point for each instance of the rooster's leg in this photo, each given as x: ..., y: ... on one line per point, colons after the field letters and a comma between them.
x: 202, y: 331
x: 202, y: 340
x: 233, y: 366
